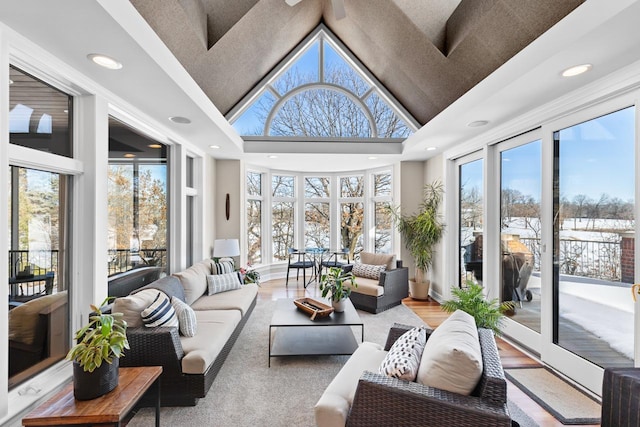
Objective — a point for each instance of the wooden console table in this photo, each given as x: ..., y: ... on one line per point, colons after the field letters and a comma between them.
x: 111, y: 409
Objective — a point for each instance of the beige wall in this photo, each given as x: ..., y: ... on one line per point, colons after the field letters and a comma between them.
x: 412, y: 180
x: 228, y: 180
x: 434, y: 170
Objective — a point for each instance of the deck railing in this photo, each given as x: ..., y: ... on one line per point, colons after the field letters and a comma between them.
x: 121, y: 260
x: 586, y: 258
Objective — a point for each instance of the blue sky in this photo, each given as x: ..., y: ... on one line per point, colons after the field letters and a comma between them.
x: 596, y: 157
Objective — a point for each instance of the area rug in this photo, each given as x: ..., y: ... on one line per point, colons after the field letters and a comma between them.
x: 566, y: 403
x: 247, y: 392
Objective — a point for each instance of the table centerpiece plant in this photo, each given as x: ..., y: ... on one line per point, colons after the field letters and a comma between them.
x: 99, y: 346
x: 338, y: 284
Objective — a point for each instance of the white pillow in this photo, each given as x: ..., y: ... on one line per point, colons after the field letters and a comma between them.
x: 186, y: 317
x: 217, y: 283
x: 223, y: 267
x: 160, y: 312
x: 452, y: 358
x: 403, y: 358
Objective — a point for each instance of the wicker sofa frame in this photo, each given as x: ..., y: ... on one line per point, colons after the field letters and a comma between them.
x: 396, y: 287
x: 161, y: 347
x: 381, y: 400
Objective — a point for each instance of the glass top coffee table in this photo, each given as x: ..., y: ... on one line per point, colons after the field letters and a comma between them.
x: 293, y: 333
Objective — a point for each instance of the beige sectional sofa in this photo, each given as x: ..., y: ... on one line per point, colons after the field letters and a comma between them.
x: 190, y: 363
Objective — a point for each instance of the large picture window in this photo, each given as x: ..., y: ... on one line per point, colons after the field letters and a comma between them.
x: 318, y: 211
x: 137, y: 195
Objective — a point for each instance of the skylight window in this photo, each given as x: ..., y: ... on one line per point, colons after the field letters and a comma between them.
x: 321, y: 92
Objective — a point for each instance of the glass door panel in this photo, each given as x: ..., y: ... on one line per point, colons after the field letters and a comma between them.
x: 593, y: 210
x: 470, y: 220
x: 520, y: 231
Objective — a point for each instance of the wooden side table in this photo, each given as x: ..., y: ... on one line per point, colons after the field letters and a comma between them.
x: 111, y: 409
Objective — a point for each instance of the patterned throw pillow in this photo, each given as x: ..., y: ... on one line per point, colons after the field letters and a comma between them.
x: 367, y: 271
x: 159, y: 313
x: 217, y: 283
x: 403, y: 359
x: 223, y: 267
x: 186, y: 317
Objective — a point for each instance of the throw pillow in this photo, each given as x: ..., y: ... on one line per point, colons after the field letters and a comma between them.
x: 186, y: 317
x: 223, y: 267
x: 159, y: 313
x: 368, y: 271
x: 132, y: 305
x: 223, y: 282
x: 452, y: 358
x: 403, y: 359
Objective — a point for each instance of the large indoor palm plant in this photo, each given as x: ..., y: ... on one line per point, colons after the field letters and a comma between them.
x: 421, y: 232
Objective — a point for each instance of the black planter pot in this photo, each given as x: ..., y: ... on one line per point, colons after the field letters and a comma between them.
x: 89, y: 385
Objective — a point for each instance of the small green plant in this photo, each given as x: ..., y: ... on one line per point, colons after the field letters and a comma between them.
x: 102, y: 339
x: 335, y: 283
x: 487, y: 313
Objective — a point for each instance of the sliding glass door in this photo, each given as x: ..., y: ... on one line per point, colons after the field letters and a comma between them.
x: 593, y: 238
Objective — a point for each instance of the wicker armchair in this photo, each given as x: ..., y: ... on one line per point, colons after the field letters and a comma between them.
x: 396, y: 287
x: 380, y: 400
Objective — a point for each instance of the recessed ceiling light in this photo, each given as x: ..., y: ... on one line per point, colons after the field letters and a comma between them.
x: 66, y: 111
x: 10, y: 81
x: 576, y: 70
x: 128, y: 155
x: 215, y: 147
x: 154, y: 145
x: 477, y: 123
x: 372, y: 158
x: 180, y: 119
x: 272, y: 156
x: 431, y: 148
x: 105, y: 61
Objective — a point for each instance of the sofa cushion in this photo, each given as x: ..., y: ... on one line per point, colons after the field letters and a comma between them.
x: 194, y: 280
x: 378, y: 259
x: 452, y: 358
x: 403, y: 358
x: 160, y: 312
x: 217, y: 283
x: 187, y: 321
x: 170, y: 285
x: 214, y: 330
x: 23, y: 320
x: 334, y: 404
x: 132, y: 305
x: 239, y: 299
x: 368, y: 271
x: 368, y: 287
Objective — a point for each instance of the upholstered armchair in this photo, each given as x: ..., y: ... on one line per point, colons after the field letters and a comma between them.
x: 380, y: 288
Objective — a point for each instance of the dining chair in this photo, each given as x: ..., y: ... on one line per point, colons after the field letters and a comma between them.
x: 298, y: 260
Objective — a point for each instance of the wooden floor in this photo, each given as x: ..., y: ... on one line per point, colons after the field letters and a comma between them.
x: 430, y: 313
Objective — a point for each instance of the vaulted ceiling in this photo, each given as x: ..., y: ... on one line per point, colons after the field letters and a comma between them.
x: 427, y: 53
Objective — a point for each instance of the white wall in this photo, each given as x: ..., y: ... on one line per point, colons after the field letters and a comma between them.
x: 228, y: 180
x: 412, y: 181
x: 433, y: 171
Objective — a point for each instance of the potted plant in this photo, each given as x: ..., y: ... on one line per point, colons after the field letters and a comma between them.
x: 487, y: 313
x: 421, y: 232
x: 100, y: 344
x: 338, y: 283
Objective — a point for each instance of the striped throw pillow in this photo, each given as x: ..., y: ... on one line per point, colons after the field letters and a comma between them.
x: 186, y: 317
x: 217, y: 283
x: 223, y: 267
x: 159, y: 313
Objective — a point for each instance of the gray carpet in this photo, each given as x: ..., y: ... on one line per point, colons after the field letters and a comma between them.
x: 248, y: 393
